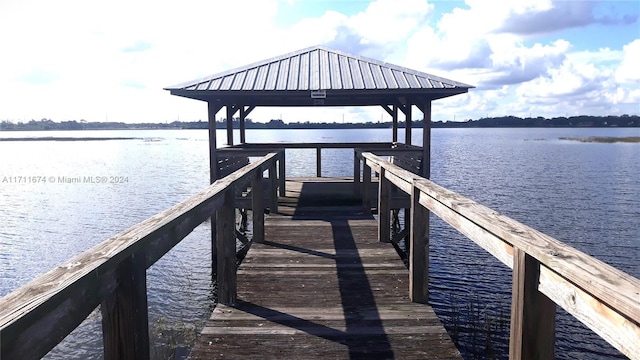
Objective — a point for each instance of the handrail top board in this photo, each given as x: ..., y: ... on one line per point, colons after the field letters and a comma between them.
x: 105, y: 257
x: 614, y: 287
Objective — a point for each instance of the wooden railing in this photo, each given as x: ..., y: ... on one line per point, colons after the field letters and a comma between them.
x: 37, y: 316
x: 255, y: 148
x: 546, y: 272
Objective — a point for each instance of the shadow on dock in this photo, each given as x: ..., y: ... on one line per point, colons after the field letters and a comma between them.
x: 322, y: 286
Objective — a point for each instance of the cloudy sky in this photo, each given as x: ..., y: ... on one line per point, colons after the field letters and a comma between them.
x: 109, y: 60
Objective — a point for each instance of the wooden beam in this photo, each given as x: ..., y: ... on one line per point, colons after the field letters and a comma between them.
x: 418, y: 250
x: 249, y: 109
x: 366, y: 186
x: 125, y: 320
x: 257, y: 207
x: 384, y: 210
x: 387, y: 109
x: 395, y: 123
x: 356, y: 172
x: 226, y: 246
x: 532, y: 313
x: 318, y: 162
x: 242, y: 125
x: 426, y: 140
x: 231, y: 110
x: 213, y: 158
x: 408, y: 124
x: 37, y: 316
x: 273, y: 188
x: 282, y: 174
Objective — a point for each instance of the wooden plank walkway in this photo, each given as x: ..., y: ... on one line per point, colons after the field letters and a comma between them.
x: 322, y: 286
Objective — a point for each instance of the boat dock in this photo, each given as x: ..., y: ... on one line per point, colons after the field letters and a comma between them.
x: 321, y: 286
x: 322, y: 278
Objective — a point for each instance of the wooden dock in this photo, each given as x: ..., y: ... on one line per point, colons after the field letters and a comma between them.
x: 322, y: 286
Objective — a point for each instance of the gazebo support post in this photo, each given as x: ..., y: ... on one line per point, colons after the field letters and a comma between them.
x: 426, y: 140
x: 393, y: 111
x: 213, y: 159
x: 242, y: 125
x: 213, y: 176
x: 243, y: 115
x: 231, y: 110
x: 394, y: 117
x: 407, y: 131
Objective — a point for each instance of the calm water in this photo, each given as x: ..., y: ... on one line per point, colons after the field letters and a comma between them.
x: 584, y: 194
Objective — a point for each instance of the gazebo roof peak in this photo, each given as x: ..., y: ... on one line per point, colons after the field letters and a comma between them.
x: 345, y: 79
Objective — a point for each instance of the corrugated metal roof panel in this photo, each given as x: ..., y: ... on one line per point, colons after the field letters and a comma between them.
x: 412, y: 80
x: 345, y: 72
x: 294, y: 70
x: 389, y: 78
x: 249, y: 81
x: 272, y: 76
x: 237, y: 82
x: 215, y: 84
x: 356, y: 73
x: 377, y: 76
x: 367, y: 76
x: 325, y: 72
x: 261, y: 77
x: 303, y: 81
x: 401, y: 80
x: 336, y: 75
x: 319, y: 68
x: 283, y: 73
x: 424, y: 82
x: 203, y: 86
x: 314, y: 70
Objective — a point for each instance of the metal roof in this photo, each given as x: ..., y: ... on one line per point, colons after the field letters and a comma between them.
x: 337, y: 74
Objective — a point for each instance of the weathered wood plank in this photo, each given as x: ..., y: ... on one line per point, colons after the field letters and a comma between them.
x: 607, y: 295
x: 322, y: 286
x: 384, y: 209
x: 532, y: 327
x: 34, y: 318
x: 604, y: 320
x: 226, y: 246
x: 125, y: 320
x: 248, y: 312
x: 605, y: 282
x: 334, y: 331
x: 418, y: 250
x: 257, y: 209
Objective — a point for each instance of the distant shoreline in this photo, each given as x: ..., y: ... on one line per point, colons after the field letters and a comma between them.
x: 604, y: 139
x: 67, y: 138
x: 625, y: 121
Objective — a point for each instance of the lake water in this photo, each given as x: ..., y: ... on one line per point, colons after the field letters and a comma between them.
x: 584, y: 194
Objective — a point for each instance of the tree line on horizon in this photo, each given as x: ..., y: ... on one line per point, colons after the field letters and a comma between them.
x: 504, y: 121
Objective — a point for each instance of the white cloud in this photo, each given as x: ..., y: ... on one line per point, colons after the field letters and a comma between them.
x: 629, y: 69
x: 72, y: 59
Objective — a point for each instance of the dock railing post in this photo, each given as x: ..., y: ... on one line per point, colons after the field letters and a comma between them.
x: 318, y: 162
x: 418, y: 250
x: 356, y: 172
x: 257, y: 206
x: 366, y: 185
x: 532, y: 313
x: 273, y: 188
x: 384, y: 211
x: 282, y: 173
x: 226, y: 242
x: 125, y: 319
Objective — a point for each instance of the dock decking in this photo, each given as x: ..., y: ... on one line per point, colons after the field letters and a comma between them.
x: 322, y: 286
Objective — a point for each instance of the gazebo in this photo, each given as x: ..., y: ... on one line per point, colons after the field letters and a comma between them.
x: 319, y: 76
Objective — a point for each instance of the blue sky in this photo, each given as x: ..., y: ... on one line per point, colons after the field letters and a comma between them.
x: 73, y: 59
